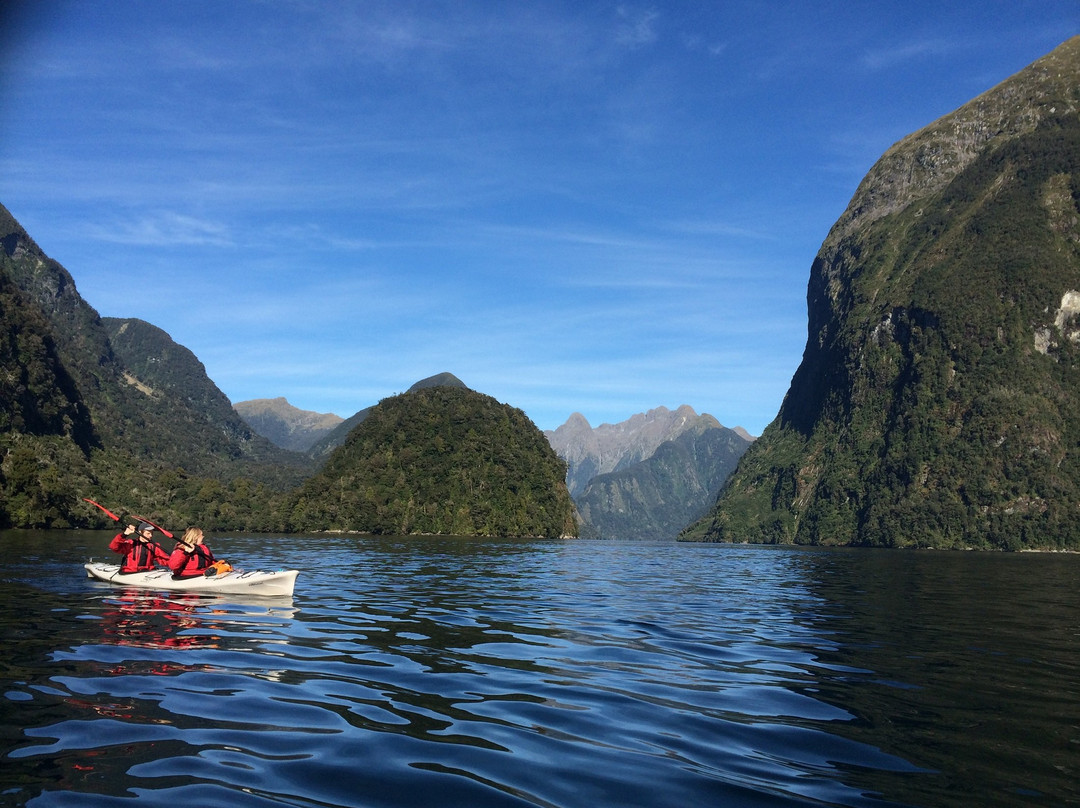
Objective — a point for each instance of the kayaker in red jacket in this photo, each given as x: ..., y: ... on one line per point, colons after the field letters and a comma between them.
x: 191, y: 557
x: 139, y: 550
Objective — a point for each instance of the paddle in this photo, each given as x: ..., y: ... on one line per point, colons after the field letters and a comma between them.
x: 108, y: 513
x: 116, y: 518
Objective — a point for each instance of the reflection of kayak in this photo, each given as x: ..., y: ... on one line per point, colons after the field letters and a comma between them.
x: 256, y: 582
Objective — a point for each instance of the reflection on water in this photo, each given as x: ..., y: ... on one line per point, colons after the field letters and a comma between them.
x: 971, y: 664
x: 154, y: 620
x: 456, y: 672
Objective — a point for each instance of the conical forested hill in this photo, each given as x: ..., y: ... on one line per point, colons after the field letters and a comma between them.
x: 322, y: 448
x: 938, y: 399
x: 443, y: 460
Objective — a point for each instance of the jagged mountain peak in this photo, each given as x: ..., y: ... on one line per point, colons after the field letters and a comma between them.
x: 577, y: 420
x: 590, y: 451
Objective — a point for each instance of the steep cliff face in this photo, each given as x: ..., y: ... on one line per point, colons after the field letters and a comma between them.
x: 40, y: 298
x: 936, y: 401
x: 37, y: 394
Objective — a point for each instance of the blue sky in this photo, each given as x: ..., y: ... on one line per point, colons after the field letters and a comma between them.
x: 600, y: 207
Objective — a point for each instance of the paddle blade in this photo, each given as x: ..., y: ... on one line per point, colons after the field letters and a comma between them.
x: 108, y: 513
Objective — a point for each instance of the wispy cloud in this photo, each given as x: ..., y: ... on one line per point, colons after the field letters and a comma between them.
x: 637, y: 27
x: 887, y: 57
x: 162, y: 229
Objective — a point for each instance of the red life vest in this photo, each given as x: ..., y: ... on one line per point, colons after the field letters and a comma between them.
x: 188, y: 565
x: 143, y: 555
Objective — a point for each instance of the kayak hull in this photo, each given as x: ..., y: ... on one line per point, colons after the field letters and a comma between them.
x: 237, y: 582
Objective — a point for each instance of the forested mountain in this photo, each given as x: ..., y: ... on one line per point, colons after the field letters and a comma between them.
x: 440, y: 459
x: 285, y: 425
x: 659, y: 496
x: 321, y: 448
x: 115, y: 410
x: 938, y: 398
x: 162, y: 375
x: 83, y: 415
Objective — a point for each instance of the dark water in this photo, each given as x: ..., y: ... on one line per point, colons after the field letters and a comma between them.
x: 450, y: 672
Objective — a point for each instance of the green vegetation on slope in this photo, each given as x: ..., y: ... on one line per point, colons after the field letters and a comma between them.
x: 135, y: 423
x: 657, y: 497
x: 115, y: 410
x: 37, y: 396
x: 937, y: 401
x: 440, y: 460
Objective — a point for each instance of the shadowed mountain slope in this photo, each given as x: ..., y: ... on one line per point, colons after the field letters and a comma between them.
x: 659, y: 496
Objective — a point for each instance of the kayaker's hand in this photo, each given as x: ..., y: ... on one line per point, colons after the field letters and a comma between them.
x: 129, y: 530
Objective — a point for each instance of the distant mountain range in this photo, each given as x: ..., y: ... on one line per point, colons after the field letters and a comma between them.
x: 657, y: 497
x: 285, y: 425
x: 648, y: 476
x: 611, y: 447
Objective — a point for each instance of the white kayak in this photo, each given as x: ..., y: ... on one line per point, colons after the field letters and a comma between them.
x: 237, y: 582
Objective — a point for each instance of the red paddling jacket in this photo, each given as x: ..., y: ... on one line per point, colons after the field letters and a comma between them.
x: 139, y: 554
x: 185, y: 564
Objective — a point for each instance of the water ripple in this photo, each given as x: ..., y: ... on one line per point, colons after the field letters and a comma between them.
x: 462, y: 674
